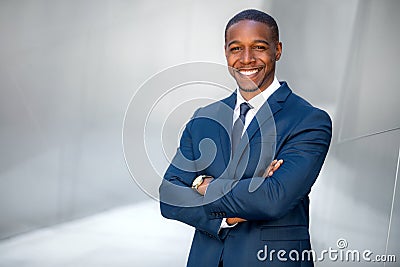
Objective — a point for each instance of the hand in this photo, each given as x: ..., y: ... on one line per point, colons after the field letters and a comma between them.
x: 275, y: 164
x: 235, y: 220
x: 203, y: 187
x: 273, y: 167
x: 202, y: 190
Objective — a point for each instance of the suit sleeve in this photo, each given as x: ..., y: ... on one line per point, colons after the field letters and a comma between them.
x: 303, y: 153
x: 178, y: 201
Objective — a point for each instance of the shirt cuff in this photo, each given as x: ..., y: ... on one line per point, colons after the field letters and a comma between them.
x: 224, y: 224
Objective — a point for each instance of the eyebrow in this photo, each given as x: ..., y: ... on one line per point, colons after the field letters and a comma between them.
x: 255, y: 41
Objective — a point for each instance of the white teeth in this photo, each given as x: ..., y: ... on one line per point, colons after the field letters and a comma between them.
x: 248, y: 72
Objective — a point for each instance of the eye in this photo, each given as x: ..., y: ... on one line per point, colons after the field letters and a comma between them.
x: 259, y: 47
x: 234, y: 49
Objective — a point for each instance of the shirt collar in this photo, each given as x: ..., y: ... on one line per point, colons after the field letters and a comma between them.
x: 257, y: 101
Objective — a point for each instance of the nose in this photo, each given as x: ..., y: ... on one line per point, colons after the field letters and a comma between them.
x: 247, y: 56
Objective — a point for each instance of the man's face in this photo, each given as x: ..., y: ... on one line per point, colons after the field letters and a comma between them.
x: 251, y: 52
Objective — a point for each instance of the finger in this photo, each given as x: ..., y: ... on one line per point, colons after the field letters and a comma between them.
x: 268, y: 169
x: 276, y: 166
x: 271, y: 169
x: 273, y: 163
x: 278, y: 163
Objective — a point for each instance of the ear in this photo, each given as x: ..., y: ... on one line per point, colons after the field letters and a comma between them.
x: 278, y: 51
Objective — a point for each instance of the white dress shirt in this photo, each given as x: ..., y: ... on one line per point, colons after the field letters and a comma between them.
x: 255, y: 104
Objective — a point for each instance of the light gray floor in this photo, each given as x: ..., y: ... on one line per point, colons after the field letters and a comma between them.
x: 135, y: 235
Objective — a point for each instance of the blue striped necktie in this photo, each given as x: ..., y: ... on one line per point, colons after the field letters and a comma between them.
x: 237, y: 129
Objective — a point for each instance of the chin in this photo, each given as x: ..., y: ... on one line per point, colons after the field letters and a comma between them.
x: 249, y: 90
x: 248, y: 86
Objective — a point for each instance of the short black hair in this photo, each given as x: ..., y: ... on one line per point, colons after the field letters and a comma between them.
x: 255, y: 15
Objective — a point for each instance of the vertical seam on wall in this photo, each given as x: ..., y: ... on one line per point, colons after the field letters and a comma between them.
x: 391, y: 209
x: 352, y: 58
x: 351, y: 83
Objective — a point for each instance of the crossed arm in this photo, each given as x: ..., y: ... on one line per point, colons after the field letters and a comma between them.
x: 191, y: 212
x: 303, y: 153
x: 273, y: 166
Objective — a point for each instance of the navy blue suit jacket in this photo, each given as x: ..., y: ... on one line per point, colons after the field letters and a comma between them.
x: 276, y: 208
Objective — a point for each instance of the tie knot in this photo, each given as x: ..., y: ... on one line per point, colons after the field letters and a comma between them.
x: 244, y: 108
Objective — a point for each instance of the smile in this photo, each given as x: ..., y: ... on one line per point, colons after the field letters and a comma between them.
x: 249, y: 72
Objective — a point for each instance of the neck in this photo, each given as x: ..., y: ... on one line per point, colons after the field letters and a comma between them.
x: 249, y: 95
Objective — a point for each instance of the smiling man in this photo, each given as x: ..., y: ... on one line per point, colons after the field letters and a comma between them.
x: 248, y: 212
x: 252, y: 49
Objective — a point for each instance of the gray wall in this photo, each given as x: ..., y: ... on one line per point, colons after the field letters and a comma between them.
x: 360, y: 179
x: 68, y: 70
x: 343, y: 56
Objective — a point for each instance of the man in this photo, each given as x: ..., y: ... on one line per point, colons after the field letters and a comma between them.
x: 246, y: 213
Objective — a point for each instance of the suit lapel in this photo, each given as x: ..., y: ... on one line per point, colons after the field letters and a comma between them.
x: 225, y: 117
